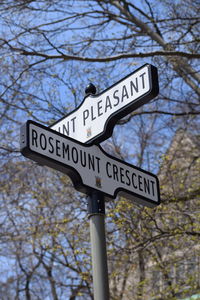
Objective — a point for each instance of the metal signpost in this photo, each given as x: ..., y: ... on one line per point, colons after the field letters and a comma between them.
x: 66, y: 147
x: 96, y: 214
x: 94, y: 119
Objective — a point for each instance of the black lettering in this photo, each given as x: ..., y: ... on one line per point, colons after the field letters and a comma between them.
x: 140, y: 182
x: 99, y: 107
x: 98, y: 166
x: 108, y: 103
x: 115, y: 173
x: 152, y: 183
x: 52, y: 148
x: 142, y: 76
x: 92, y: 114
x: 121, y: 171
x: 146, y: 185
x: 66, y: 129
x: 57, y: 147
x: 43, y: 141
x: 134, y: 86
x: 83, y: 159
x: 127, y: 176
x: 91, y: 161
x: 85, y: 115
x: 65, y: 150
x: 124, y: 93
x: 34, y: 137
x: 73, y: 124
x: 116, y: 97
x: 74, y: 155
x: 108, y: 164
x: 133, y: 182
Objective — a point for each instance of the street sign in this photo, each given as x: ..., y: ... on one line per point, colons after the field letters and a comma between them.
x: 89, y: 167
x: 93, y: 121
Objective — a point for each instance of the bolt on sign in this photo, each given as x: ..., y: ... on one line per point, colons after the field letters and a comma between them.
x: 89, y: 167
x: 93, y: 121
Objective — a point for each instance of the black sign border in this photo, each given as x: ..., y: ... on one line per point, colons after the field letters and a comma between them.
x: 73, y: 173
x: 116, y: 116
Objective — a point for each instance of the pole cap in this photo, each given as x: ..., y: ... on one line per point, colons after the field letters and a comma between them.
x: 90, y: 89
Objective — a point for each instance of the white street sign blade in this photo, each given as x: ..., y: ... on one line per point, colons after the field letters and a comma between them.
x: 94, y: 119
x: 89, y: 167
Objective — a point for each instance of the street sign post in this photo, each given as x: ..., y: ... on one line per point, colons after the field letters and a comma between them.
x: 66, y: 146
x: 93, y: 121
x: 89, y: 167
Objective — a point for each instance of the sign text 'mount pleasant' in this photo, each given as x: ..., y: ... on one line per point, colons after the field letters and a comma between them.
x: 94, y: 119
x: 89, y: 167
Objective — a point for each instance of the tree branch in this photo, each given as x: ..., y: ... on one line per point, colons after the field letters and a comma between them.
x: 124, y: 121
x: 66, y: 57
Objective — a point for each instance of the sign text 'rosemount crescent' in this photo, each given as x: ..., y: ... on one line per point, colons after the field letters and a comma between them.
x: 89, y: 167
x: 94, y: 119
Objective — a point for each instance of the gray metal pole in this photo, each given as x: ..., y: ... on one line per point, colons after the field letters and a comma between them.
x: 96, y: 214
